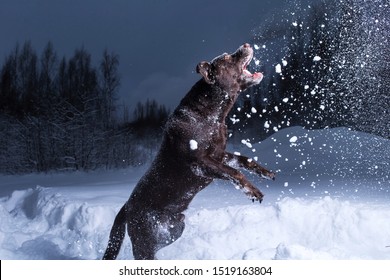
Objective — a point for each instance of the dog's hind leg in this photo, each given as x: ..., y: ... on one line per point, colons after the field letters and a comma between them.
x: 142, y: 249
x: 117, y: 235
x: 153, y: 232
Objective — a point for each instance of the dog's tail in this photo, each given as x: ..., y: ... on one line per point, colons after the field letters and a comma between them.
x: 117, y: 235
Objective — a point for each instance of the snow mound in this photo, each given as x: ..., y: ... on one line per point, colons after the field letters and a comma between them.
x: 291, y: 229
x: 43, y: 224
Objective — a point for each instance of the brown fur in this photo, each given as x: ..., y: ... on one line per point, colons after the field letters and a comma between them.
x: 154, y: 212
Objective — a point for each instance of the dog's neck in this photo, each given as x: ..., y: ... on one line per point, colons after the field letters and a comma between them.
x: 209, y: 100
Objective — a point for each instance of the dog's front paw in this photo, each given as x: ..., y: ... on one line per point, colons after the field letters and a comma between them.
x: 269, y: 175
x: 255, y: 195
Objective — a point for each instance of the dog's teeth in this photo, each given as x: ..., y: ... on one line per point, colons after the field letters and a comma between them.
x: 247, y: 72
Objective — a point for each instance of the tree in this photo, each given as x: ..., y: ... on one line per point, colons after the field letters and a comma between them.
x: 109, y: 84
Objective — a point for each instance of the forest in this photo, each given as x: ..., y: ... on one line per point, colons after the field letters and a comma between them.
x: 62, y: 114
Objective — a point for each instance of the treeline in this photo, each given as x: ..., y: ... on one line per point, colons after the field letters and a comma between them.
x: 60, y: 114
x: 324, y: 67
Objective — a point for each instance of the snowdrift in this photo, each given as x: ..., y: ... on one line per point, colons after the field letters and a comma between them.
x: 330, y: 201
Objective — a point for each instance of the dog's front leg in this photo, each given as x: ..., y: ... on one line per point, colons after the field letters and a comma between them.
x: 221, y: 170
x: 248, y: 164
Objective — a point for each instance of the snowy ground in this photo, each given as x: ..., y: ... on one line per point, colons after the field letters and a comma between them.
x: 330, y: 201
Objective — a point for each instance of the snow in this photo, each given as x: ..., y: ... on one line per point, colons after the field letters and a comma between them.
x: 193, y: 144
x: 317, y: 58
x: 278, y: 68
x: 293, y: 139
x: 330, y: 201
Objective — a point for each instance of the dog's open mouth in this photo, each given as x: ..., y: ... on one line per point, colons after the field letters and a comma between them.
x: 247, y: 61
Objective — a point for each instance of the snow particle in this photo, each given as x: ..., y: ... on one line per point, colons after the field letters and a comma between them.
x: 316, y: 58
x: 278, y: 68
x: 253, y: 110
x: 247, y: 143
x: 293, y: 139
x: 193, y: 144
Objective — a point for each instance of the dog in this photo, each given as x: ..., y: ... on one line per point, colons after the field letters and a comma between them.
x: 191, y: 156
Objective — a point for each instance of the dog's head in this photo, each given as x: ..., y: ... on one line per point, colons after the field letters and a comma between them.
x: 229, y: 72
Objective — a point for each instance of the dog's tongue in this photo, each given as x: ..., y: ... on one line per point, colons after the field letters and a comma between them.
x: 257, y: 75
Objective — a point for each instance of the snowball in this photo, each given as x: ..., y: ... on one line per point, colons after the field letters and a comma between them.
x: 316, y: 58
x: 266, y: 124
x: 193, y: 144
x: 278, y: 68
x: 284, y: 62
x: 285, y: 100
x: 247, y: 143
x: 256, y: 47
x: 253, y: 110
x: 295, y: 23
x: 234, y: 120
x: 293, y: 139
x: 306, y: 87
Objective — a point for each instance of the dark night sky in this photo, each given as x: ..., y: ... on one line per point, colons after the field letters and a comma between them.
x: 159, y: 41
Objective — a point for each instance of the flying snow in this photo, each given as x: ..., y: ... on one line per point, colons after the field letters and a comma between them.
x: 193, y: 144
x: 278, y: 68
x: 317, y: 58
x: 293, y: 139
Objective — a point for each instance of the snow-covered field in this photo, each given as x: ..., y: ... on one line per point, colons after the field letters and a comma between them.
x: 330, y: 201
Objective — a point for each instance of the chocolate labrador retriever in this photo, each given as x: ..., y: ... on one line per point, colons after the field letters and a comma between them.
x: 191, y: 156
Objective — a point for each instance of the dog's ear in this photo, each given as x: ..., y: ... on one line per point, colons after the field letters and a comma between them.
x: 204, y: 68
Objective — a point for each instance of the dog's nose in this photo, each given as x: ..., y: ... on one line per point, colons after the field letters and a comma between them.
x: 246, y: 45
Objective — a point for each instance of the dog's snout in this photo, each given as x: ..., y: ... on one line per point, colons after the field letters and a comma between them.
x: 246, y: 45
